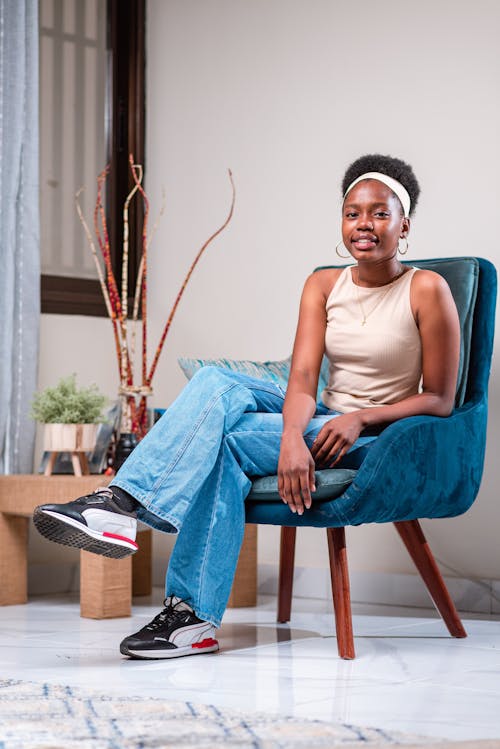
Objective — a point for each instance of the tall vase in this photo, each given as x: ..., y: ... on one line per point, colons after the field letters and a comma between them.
x: 124, y: 446
x: 133, y: 423
x: 134, y: 416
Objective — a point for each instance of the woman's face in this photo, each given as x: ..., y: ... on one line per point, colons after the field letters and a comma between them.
x: 372, y: 221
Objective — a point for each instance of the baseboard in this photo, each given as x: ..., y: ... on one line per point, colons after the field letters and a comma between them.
x: 53, y: 577
x: 479, y: 596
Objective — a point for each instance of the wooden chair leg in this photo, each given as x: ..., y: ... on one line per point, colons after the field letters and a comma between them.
x: 341, y: 592
x: 419, y: 550
x: 285, y: 583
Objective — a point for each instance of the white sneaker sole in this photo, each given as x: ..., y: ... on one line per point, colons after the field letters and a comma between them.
x: 197, y: 648
x: 69, y: 532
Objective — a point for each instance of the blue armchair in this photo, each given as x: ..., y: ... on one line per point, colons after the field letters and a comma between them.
x: 419, y: 467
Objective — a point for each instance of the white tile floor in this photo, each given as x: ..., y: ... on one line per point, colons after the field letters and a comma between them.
x: 409, y: 675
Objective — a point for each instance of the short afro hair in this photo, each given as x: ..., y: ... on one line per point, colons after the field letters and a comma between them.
x: 392, y: 167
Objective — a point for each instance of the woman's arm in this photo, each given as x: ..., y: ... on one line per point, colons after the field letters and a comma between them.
x: 296, y: 465
x: 439, y: 328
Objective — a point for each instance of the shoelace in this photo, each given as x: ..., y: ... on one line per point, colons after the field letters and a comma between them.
x: 168, y: 615
x: 98, y: 495
x: 102, y: 490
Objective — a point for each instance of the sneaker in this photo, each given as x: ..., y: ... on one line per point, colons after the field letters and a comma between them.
x: 94, y: 523
x: 175, y: 631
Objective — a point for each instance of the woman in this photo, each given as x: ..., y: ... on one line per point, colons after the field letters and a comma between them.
x: 391, y: 334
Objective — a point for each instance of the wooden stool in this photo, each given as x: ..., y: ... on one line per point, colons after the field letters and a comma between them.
x: 78, y: 460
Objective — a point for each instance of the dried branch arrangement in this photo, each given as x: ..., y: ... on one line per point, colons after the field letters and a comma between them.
x: 124, y: 326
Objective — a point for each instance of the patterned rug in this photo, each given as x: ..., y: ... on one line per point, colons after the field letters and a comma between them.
x: 43, y: 716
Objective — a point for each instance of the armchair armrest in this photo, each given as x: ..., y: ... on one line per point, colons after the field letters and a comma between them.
x: 419, y: 467
x: 422, y: 466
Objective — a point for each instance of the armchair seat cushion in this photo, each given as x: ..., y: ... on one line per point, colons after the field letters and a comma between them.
x: 330, y: 483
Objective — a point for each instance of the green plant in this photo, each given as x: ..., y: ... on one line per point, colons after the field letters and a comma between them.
x: 67, y: 404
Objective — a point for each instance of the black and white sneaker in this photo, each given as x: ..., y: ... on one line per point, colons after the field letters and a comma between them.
x: 94, y: 523
x: 175, y: 631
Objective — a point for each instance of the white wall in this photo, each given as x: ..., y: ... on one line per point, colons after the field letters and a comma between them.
x: 287, y: 93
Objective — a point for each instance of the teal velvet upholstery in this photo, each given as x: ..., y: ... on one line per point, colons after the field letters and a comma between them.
x: 422, y: 466
x: 462, y: 277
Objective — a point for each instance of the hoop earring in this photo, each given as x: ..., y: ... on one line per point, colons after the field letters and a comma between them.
x: 403, y: 252
x: 344, y: 257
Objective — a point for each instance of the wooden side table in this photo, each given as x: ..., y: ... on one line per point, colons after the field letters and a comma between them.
x: 106, y: 585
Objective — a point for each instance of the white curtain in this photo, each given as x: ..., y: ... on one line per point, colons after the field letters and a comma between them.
x: 19, y: 231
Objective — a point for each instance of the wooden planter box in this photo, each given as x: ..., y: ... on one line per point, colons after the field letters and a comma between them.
x: 77, y: 439
x: 69, y: 438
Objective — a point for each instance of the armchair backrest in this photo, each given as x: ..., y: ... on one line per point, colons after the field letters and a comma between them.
x: 483, y: 330
x: 473, y: 284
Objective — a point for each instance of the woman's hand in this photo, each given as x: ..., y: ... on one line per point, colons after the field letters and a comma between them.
x: 296, y: 478
x: 335, y: 438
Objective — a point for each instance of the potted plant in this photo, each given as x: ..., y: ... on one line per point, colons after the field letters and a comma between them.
x: 71, y: 416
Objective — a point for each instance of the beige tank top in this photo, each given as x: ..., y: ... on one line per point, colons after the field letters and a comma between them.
x: 372, y: 343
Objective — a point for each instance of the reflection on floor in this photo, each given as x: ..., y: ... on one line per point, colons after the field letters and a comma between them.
x: 409, y: 674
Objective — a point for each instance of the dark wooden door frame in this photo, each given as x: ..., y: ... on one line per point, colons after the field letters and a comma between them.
x: 125, y: 133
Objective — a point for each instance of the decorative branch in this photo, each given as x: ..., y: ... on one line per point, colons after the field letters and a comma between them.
x: 188, y: 276
x: 134, y: 416
x: 126, y: 375
x: 125, y: 245
x: 144, y: 259
x: 126, y: 352
x: 100, y: 275
x: 104, y: 244
x: 88, y: 235
x: 138, y: 286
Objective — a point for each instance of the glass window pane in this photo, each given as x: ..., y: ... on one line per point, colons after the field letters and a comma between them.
x: 72, y: 131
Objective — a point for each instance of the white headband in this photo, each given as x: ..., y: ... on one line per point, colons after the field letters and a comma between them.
x: 393, y: 184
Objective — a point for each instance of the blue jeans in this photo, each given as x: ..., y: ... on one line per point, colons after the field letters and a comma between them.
x: 190, y: 475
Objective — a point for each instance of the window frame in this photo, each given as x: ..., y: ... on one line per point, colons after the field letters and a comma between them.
x: 124, y: 133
